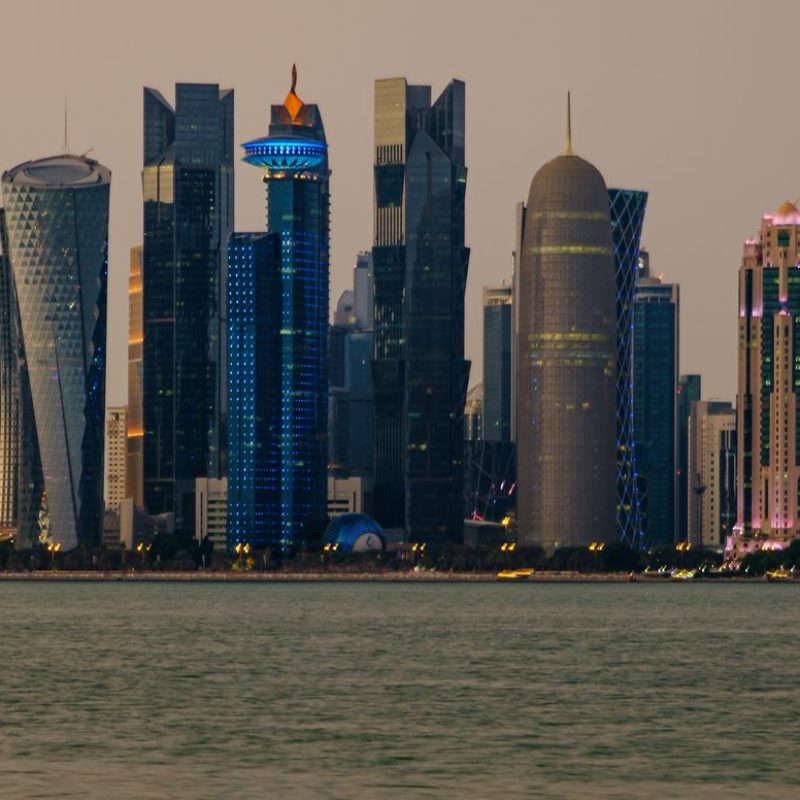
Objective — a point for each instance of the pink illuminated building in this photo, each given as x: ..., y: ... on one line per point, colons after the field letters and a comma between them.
x: 768, y: 415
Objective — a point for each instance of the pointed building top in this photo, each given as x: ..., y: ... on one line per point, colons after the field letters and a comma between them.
x: 293, y: 103
x: 568, y: 151
x: 66, y: 141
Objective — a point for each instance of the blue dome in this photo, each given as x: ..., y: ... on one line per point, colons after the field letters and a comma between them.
x: 355, y: 533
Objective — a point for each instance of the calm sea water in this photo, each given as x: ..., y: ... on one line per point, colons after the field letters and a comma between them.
x: 318, y: 690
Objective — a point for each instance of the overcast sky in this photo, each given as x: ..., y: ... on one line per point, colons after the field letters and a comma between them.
x: 695, y: 101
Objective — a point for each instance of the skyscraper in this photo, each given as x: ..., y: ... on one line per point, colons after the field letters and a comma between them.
x: 57, y: 224
x: 627, y: 218
x: 767, y: 407
x: 254, y: 380
x: 293, y: 158
x: 115, y: 462
x: 566, y: 382
x: 688, y: 393
x: 135, y: 421
x: 497, y: 323
x: 655, y: 386
x: 420, y: 271
x: 351, y: 424
x: 9, y: 393
x: 712, y: 473
x: 187, y: 184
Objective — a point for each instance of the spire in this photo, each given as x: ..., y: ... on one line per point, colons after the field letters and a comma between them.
x: 568, y: 149
x: 66, y: 140
x: 293, y: 103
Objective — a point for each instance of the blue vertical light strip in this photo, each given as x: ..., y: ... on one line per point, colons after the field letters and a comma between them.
x: 290, y: 435
x: 627, y: 218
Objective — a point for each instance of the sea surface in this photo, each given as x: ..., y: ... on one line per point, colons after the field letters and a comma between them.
x: 380, y: 690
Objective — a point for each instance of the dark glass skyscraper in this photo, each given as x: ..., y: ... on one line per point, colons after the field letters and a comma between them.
x: 57, y: 224
x: 655, y: 383
x: 187, y: 182
x: 566, y: 380
x: 688, y: 393
x: 294, y: 160
x: 627, y: 218
x: 420, y: 271
x: 497, y: 323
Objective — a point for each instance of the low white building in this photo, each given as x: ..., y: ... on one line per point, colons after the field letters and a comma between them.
x: 211, y: 510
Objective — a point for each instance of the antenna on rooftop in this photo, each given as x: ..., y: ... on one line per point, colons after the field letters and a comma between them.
x: 66, y: 140
x: 568, y: 150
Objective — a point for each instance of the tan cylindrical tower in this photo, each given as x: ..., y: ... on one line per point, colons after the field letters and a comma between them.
x: 566, y: 421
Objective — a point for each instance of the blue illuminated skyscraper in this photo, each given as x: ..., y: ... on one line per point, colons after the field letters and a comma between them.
x: 627, y: 217
x: 56, y: 214
x: 254, y: 307
x: 294, y: 160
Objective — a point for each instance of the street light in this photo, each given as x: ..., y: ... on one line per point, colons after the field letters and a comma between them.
x: 596, y: 547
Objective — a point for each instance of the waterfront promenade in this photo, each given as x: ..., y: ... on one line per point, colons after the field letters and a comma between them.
x: 427, y: 576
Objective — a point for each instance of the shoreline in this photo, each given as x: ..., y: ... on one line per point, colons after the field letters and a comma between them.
x: 341, y: 577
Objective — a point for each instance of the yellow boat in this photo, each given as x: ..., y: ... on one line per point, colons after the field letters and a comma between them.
x: 780, y: 574
x: 683, y: 575
x: 514, y: 574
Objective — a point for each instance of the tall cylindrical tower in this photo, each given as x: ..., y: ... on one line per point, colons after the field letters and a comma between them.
x: 566, y: 425
x: 57, y: 223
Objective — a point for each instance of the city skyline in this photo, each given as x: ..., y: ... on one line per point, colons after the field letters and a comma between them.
x: 652, y: 127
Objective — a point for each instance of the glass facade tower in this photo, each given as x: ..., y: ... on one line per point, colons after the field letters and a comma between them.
x: 134, y: 472
x: 57, y: 225
x: 187, y: 184
x: 420, y: 271
x: 627, y: 218
x: 293, y: 158
x: 655, y: 408
x: 497, y: 320
x: 688, y: 393
x: 566, y: 369
x: 254, y: 423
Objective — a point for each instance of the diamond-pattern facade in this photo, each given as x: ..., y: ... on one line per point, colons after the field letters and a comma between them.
x: 57, y: 223
x: 627, y: 218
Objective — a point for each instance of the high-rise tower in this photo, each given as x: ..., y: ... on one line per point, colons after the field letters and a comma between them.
x: 134, y: 473
x: 420, y: 271
x: 566, y: 381
x: 187, y: 183
x: 497, y: 323
x: 57, y: 224
x: 293, y: 158
x: 767, y: 407
x: 627, y: 208
x: 655, y: 408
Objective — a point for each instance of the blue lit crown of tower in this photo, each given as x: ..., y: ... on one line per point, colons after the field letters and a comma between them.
x: 295, y: 145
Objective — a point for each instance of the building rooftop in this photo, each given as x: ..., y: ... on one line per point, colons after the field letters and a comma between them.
x: 57, y: 172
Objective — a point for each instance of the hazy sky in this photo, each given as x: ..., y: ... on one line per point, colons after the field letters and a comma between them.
x: 692, y: 101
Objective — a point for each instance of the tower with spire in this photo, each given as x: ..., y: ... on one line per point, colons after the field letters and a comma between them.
x: 277, y: 477
x: 566, y: 391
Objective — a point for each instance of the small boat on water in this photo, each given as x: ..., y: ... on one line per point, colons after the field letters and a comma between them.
x: 778, y: 575
x: 514, y: 574
x: 683, y: 575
